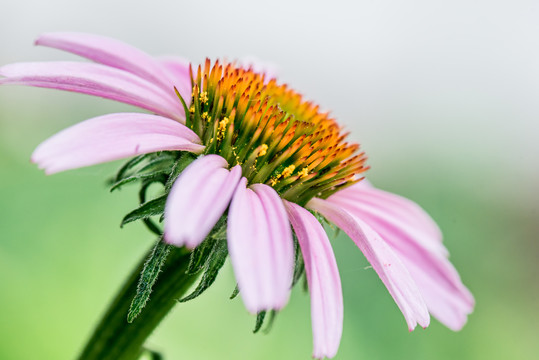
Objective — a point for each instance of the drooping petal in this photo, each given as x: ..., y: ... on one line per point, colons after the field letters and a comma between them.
x: 417, y: 230
x: 449, y: 307
x: 401, y: 236
x: 439, y: 282
x: 323, y: 279
x: 260, y: 246
x: 97, y: 80
x: 197, y: 200
x: 385, y: 262
x: 399, y: 206
x: 111, y: 137
x: 114, y: 53
x: 280, y: 234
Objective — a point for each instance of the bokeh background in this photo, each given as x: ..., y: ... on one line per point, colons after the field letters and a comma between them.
x: 442, y: 95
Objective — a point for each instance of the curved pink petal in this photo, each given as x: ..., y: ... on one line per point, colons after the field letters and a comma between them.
x: 399, y: 206
x: 323, y: 278
x: 261, y: 247
x: 111, y: 137
x: 439, y: 282
x: 114, y: 53
x: 178, y: 67
x: 416, y: 229
x: 97, y: 80
x: 449, y: 307
x: 385, y: 262
x: 197, y: 200
x: 280, y: 234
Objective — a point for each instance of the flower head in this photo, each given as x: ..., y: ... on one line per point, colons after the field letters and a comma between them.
x: 275, y: 136
x: 265, y: 159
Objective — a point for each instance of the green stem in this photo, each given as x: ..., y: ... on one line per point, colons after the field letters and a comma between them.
x: 116, y: 339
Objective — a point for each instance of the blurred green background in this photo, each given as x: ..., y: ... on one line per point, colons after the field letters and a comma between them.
x: 442, y: 97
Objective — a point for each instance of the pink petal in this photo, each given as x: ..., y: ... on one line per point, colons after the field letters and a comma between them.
x: 97, y: 80
x: 323, y: 278
x: 261, y: 247
x: 280, y: 234
x: 181, y: 77
x: 400, y: 206
x: 416, y: 230
x: 449, y: 307
x: 114, y: 53
x: 385, y: 262
x: 197, y: 200
x: 111, y: 137
x: 445, y: 295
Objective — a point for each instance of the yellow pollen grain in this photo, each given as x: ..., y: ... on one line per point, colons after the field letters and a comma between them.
x: 263, y: 150
x: 203, y: 97
x: 304, y: 172
x: 223, y: 123
x: 222, y: 128
x: 192, y: 109
x: 288, y: 171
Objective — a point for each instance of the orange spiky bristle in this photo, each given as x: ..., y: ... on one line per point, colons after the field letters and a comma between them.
x: 278, y: 138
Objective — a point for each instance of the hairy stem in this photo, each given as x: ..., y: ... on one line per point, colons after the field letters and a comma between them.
x: 115, y: 338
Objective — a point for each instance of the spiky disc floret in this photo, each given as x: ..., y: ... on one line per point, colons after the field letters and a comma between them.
x: 278, y: 138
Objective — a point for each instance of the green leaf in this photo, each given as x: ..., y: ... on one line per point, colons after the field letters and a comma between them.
x: 180, y: 165
x: 270, y: 322
x: 159, y: 165
x: 156, y: 174
x: 152, y: 227
x: 322, y: 220
x: 259, y: 321
x: 215, y: 262
x: 260, y: 317
x: 144, y: 188
x: 148, y: 276
x: 185, y: 108
x: 235, y: 292
x: 152, y: 354
x: 144, y: 211
x: 200, y: 255
x: 219, y: 230
x: 299, y: 267
x: 129, y: 165
x: 142, y: 198
x: 161, y: 161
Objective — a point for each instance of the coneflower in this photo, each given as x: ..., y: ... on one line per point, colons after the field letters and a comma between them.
x: 248, y: 169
